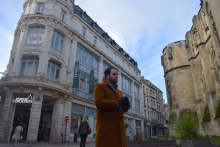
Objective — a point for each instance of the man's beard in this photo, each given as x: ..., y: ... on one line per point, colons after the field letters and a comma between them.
x: 111, y: 80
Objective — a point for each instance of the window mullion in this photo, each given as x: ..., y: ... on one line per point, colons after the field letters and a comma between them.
x: 59, y: 43
x: 49, y: 70
x: 55, y: 72
x: 26, y: 67
x: 33, y: 68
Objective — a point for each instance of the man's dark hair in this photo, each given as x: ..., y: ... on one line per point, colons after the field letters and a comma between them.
x: 108, y: 71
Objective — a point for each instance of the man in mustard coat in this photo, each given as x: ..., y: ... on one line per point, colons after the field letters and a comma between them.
x: 110, y: 131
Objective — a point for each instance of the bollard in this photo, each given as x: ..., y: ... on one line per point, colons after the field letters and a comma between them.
x: 173, y: 138
x: 165, y: 137
x: 207, y: 136
x: 192, y: 137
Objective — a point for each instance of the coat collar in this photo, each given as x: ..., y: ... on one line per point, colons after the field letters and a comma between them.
x: 107, y: 84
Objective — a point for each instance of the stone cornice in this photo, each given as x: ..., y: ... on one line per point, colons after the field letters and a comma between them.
x: 182, y: 66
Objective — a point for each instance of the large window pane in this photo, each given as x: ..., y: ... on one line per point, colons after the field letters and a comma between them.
x: 35, y: 35
x: 52, y: 73
x: 29, y: 66
x: 35, y: 69
x: 83, y: 82
x: 57, y: 41
x: 29, y: 69
x: 23, y: 65
x: 84, y: 57
x: 53, y: 70
x: 57, y: 73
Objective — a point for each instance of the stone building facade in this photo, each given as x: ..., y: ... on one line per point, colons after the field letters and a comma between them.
x: 153, y: 109
x: 56, y: 41
x: 191, y: 70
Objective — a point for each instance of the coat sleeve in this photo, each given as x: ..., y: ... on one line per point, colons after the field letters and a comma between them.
x: 99, y: 100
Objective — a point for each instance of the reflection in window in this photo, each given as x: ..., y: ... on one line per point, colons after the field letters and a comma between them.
x: 29, y: 66
x: 84, y: 85
x: 125, y: 84
x: 88, y: 61
x: 53, y: 70
x: 35, y: 35
x: 136, y: 90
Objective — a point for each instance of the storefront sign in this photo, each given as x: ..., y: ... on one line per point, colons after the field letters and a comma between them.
x: 76, y: 76
x: 23, y: 100
x: 91, y: 83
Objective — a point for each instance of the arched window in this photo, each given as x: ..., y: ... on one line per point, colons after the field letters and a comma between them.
x: 57, y: 41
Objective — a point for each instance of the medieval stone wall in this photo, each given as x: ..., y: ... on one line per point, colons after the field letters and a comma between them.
x: 192, y: 72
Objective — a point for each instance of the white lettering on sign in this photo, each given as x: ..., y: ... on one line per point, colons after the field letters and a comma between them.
x: 23, y: 100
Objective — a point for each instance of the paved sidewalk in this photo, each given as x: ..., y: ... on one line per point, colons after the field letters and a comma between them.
x: 89, y: 143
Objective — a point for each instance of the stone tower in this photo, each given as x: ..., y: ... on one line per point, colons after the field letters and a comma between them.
x: 191, y: 70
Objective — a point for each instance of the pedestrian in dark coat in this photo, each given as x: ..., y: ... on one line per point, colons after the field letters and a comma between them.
x: 83, y: 132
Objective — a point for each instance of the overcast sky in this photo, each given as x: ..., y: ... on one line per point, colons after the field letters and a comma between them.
x: 141, y: 27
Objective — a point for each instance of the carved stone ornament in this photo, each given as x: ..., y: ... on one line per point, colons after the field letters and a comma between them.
x: 67, y: 86
x: 21, y: 88
x: 57, y: 81
x: 162, y: 62
x: 42, y: 78
x: 194, y: 30
x: 6, y: 78
x: 22, y: 75
x: 170, y: 55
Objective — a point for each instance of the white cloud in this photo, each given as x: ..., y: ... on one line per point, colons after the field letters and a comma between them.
x: 143, y: 28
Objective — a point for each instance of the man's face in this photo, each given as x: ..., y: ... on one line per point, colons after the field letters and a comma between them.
x: 113, y: 77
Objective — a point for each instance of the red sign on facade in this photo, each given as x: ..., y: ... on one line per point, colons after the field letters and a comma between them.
x: 66, y: 118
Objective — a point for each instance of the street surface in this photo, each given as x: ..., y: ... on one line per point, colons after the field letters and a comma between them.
x: 89, y: 143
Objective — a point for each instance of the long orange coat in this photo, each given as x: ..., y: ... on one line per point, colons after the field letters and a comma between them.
x: 110, y: 131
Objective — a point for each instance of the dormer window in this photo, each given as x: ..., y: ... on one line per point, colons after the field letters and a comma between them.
x: 84, y: 16
x: 83, y: 32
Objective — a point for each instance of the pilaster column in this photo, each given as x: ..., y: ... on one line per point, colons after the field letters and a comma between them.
x: 34, y: 118
x: 46, y: 46
x: 119, y: 79
x: 57, y: 121
x: 133, y: 98
x: 72, y: 60
x: 21, y: 42
x: 67, y: 113
x: 7, y: 118
x: 63, y: 73
x: 101, y: 69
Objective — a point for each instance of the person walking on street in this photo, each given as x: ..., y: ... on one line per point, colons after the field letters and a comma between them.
x: 17, y: 134
x: 75, y: 133
x: 83, y: 132
x: 110, y: 131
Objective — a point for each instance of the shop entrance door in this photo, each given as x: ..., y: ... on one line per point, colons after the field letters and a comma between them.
x: 22, y: 116
x: 45, y: 124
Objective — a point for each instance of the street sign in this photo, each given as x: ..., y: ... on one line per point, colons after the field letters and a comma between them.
x: 66, y: 118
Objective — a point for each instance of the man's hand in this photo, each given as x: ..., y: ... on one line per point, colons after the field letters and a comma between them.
x: 124, y: 102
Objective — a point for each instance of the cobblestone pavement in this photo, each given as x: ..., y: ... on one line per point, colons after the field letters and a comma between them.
x: 89, y: 143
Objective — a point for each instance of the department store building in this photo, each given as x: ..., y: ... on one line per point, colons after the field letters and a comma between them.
x: 59, y: 53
